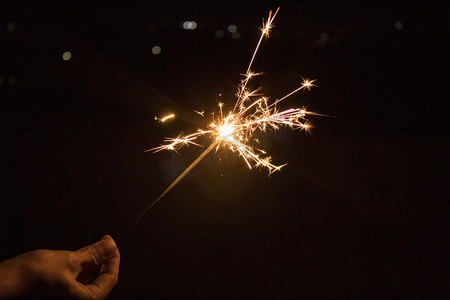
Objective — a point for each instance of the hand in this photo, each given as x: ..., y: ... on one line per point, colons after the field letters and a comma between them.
x: 62, y: 274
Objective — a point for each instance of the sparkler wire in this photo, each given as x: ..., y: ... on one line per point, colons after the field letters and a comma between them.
x: 174, y: 183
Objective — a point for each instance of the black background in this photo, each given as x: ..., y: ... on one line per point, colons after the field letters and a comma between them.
x: 360, y: 209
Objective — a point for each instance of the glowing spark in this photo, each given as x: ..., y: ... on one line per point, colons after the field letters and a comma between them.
x: 308, y: 83
x: 163, y: 119
x: 266, y: 27
x: 201, y: 113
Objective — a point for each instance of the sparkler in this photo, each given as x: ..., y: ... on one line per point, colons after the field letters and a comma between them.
x: 236, y: 130
x: 251, y: 113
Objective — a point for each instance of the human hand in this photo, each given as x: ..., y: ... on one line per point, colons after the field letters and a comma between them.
x: 62, y: 274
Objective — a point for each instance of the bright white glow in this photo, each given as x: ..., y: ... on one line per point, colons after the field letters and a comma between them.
x: 226, y: 131
x: 190, y: 25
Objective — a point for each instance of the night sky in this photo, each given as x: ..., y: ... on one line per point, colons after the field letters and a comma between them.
x: 359, y: 210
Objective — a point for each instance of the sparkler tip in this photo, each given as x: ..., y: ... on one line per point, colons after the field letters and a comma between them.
x: 308, y: 83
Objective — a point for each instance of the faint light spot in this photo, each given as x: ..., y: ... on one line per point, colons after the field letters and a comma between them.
x: 219, y: 33
x: 232, y: 28
x: 67, y: 55
x: 156, y: 50
x: 189, y: 25
x: 324, y: 36
x: 11, y: 80
x: 290, y: 34
x: 11, y: 26
x: 300, y: 34
x: 151, y: 28
x: 335, y: 39
x: 398, y: 25
x: 418, y: 29
x: 235, y: 35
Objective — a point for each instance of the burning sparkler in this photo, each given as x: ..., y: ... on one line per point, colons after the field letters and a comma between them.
x: 251, y: 113
x: 236, y: 129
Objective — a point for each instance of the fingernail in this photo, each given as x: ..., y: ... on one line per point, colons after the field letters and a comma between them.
x: 106, y: 237
x: 108, y: 245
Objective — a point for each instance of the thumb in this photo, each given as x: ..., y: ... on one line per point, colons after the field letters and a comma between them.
x: 95, y: 255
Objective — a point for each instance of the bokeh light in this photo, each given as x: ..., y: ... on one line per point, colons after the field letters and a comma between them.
x: 398, y: 25
x: 324, y: 36
x: 219, y: 33
x: 156, y: 50
x: 232, y: 28
x: 67, y: 56
x: 11, y: 26
x: 190, y: 25
x: 235, y: 35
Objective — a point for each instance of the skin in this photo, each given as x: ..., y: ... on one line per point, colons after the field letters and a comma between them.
x: 88, y: 273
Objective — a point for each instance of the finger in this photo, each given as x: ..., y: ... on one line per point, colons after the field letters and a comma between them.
x: 107, y: 279
x: 99, y: 289
x: 105, y: 282
x: 95, y: 255
x: 111, y: 266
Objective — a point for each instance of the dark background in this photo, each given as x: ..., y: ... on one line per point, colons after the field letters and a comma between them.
x: 360, y: 209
